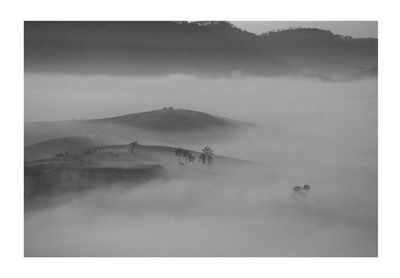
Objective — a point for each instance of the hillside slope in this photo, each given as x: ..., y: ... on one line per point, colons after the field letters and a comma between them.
x: 171, y: 120
x: 165, y: 125
x: 49, y: 148
x: 152, y: 154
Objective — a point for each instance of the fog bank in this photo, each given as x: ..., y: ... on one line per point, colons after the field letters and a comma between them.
x: 305, y: 132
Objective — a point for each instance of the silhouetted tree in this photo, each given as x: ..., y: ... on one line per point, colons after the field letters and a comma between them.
x: 207, y: 156
x: 300, y: 192
x: 185, y: 154
x: 132, y: 146
x: 202, y: 159
x: 179, y: 153
x: 190, y: 157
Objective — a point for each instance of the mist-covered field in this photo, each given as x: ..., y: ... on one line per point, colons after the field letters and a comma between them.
x: 303, y: 131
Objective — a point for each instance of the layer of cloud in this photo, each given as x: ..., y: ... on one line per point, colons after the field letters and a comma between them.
x: 307, y: 131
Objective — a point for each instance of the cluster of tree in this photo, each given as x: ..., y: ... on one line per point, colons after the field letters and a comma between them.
x: 69, y: 156
x: 185, y: 154
x: 91, y: 151
x: 296, y: 33
x: 132, y: 146
x: 300, y: 192
x: 168, y: 109
x: 62, y: 154
x: 206, y: 157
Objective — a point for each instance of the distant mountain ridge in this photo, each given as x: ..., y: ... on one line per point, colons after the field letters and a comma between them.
x: 203, y: 48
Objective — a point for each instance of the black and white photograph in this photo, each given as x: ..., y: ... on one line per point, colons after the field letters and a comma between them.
x: 213, y: 138
x: 200, y: 138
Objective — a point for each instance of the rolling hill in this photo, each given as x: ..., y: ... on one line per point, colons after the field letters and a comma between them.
x: 152, y: 154
x: 83, y: 150
x: 172, y: 120
x: 107, y: 167
x: 49, y: 148
x: 168, y: 125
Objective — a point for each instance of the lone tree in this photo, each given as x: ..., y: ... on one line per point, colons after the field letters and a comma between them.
x: 185, y: 154
x: 190, y: 157
x: 179, y: 152
x: 207, y: 156
x: 132, y: 146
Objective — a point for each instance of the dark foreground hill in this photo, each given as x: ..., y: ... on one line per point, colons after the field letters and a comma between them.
x: 205, y: 48
x: 113, y: 167
x: 48, y: 182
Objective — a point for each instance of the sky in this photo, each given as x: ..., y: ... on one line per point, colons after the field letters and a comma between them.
x: 359, y: 29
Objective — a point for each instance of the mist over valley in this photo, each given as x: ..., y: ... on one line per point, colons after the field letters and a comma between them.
x: 198, y: 139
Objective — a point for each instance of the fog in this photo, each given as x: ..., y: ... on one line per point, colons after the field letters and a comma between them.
x: 306, y: 131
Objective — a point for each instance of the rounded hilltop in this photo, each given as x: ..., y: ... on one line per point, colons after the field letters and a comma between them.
x: 169, y: 119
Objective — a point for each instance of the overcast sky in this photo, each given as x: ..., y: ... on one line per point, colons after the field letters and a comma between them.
x: 351, y: 28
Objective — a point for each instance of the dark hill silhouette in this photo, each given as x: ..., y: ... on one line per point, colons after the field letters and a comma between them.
x: 203, y: 48
x: 320, y: 51
x: 172, y: 120
x: 50, y: 182
x: 113, y: 166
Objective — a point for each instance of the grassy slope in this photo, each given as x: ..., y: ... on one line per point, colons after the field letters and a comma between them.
x: 177, y: 120
x: 157, y: 125
x: 49, y: 148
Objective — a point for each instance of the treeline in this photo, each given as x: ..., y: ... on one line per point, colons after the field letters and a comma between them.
x: 206, y: 157
x: 201, y: 48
